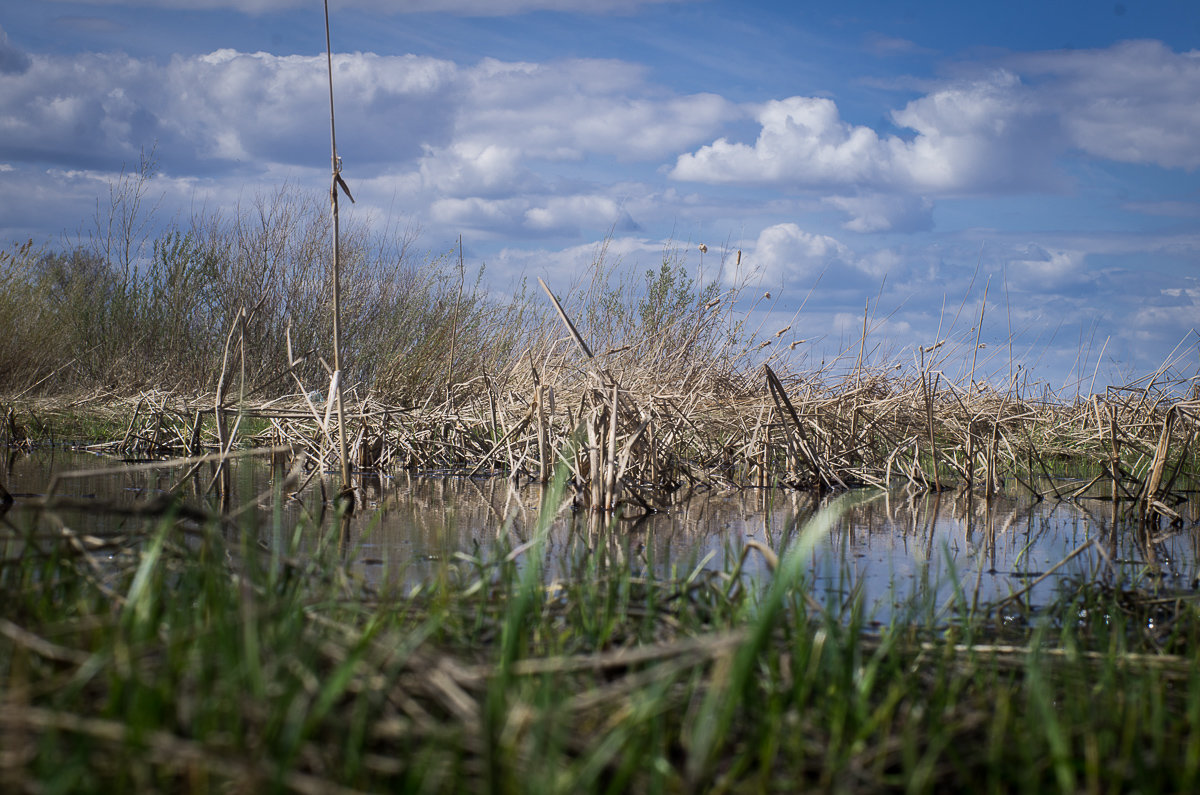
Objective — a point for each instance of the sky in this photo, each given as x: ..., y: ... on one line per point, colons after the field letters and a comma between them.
x: 920, y: 162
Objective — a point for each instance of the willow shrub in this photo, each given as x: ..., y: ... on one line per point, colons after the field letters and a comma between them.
x: 82, y: 318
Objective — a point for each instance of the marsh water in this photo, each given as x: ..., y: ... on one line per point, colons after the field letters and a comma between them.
x: 886, y: 547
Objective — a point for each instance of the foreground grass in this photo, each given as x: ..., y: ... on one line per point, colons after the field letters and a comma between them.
x: 248, y: 658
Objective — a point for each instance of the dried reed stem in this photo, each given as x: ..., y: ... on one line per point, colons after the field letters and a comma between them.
x: 336, y: 181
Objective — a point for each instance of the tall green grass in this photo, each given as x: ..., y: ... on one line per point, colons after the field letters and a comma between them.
x: 204, y: 659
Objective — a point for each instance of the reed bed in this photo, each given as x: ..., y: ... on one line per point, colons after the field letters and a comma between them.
x: 639, y: 438
x: 212, y: 336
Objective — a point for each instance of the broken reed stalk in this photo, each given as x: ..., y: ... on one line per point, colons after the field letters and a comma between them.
x: 862, y: 350
x: 930, y: 394
x: 610, y: 476
x: 978, y: 335
x: 583, y: 346
x: 336, y: 182
x: 784, y: 404
x: 1159, y: 463
x: 222, y: 476
x: 454, y: 322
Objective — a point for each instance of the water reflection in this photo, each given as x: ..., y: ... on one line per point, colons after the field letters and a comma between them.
x: 893, y: 545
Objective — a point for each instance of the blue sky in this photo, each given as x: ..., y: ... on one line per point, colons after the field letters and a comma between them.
x: 909, y: 155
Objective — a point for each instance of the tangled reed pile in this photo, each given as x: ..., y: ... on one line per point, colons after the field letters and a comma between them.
x: 643, y: 425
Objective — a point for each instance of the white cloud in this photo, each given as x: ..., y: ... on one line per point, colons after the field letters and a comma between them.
x: 1037, y: 269
x: 67, y: 111
x: 472, y: 169
x: 565, y: 268
x: 275, y: 108
x: 1134, y: 102
x: 487, y: 147
x: 985, y: 134
x: 883, y: 263
x: 971, y: 136
x: 886, y: 46
x: 803, y: 141
x: 885, y: 213
x: 785, y: 253
x: 1167, y: 322
x: 563, y: 110
x: 490, y: 8
x: 478, y: 213
x: 1001, y: 130
x: 1170, y: 208
x: 569, y: 212
x: 464, y: 130
x: 93, y: 109
x: 540, y: 215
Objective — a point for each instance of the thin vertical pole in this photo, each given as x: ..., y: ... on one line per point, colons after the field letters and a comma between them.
x: 347, y: 492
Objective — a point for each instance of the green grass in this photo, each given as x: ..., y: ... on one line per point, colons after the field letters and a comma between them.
x: 208, y: 659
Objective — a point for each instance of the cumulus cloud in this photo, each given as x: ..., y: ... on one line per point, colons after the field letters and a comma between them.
x: 563, y: 268
x: 72, y: 112
x: 473, y: 168
x: 99, y: 109
x: 241, y: 105
x: 568, y: 213
x: 1002, y: 130
x: 1169, y: 312
x: 1135, y: 102
x: 971, y: 136
x: 463, y: 129
x: 785, y: 253
x: 540, y: 215
x: 884, y: 213
x: 982, y: 134
x: 562, y: 110
x: 479, y: 214
x: 1037, y: 269
x: 489, y: 146
x: 803, y: 141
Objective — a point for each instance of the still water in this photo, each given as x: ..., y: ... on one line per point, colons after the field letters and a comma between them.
x: 888, y: 546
